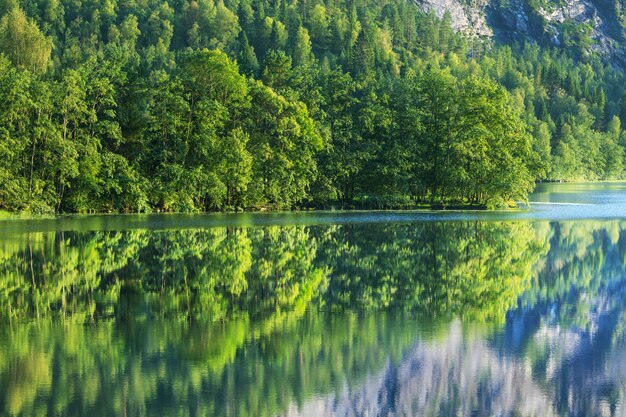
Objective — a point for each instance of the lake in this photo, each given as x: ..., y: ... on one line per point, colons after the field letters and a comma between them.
x: 511, y: 313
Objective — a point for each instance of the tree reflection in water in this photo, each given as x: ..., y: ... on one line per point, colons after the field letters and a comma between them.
x: 433, y: 318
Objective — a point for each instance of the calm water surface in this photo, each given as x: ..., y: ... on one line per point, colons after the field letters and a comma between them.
x: 320, y: 314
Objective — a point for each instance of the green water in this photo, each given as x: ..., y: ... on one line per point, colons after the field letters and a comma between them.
x: 320, y: 314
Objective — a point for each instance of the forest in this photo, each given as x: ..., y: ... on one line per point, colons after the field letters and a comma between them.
x: 209, y: 105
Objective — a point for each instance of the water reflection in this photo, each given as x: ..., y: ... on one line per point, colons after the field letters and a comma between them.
x: 433, y: 318
x: 475, y: 269
x: 456, y: 373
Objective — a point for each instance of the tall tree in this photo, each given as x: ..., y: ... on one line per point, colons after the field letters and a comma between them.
x: 23, y: 43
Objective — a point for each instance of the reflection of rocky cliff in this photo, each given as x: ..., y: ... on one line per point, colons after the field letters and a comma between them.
x: 560, y: 353
x: 564, y: 370
x: 581, y: 361
x: 458, y: 374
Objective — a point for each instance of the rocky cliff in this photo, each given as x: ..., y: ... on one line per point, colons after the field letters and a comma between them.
x: 585, y: 26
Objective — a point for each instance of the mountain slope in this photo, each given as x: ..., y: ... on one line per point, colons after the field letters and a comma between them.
x: 583, y: 26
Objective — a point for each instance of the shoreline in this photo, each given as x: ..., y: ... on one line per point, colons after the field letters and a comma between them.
x: 324, y: 208
x: 435, y: 208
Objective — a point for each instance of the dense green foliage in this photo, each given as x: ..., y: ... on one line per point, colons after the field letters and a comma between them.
x: 213, y: 105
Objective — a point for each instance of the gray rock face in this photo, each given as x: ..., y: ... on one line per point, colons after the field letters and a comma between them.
x: 514, y: 17
x: 468, y: 17
x: 544, y: 24
x: 580, y: 12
